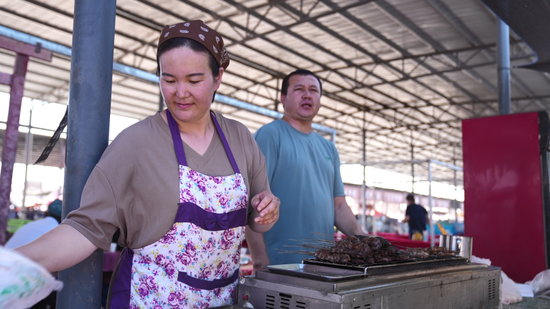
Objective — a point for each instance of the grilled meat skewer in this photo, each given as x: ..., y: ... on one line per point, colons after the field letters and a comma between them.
x: 361, y: 250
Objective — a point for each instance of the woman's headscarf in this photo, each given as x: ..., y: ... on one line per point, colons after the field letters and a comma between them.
x: 198, y: 31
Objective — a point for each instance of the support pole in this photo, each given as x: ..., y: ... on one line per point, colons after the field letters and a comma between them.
x: 430, y: 203
x: 364, y: 187
x: 455, y: 183
x: 87, y: 133
x: 374, y: 209
x: 503, y: 59
x: 412, y: 168
x: 9, y: 146
x: 28, y: 157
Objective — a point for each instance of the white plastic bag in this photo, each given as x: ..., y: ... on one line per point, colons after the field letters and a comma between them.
x: 510, y: 290
x: 479, y: 260
x: 23, y: 282
x: 541, y: 284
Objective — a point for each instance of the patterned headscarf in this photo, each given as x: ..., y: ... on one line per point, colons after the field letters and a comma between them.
x: 198, y: 31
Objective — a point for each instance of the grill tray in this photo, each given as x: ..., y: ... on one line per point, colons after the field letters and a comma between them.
x: 393, y: 267
x: 316, y: 272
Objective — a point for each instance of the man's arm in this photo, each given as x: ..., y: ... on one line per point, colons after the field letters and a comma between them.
x: 258, y: 252
x: 407, y: 216
x: 344, y: 219
x: 58, y: 249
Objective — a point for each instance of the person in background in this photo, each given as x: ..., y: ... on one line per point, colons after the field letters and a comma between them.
x: 417, y: 217
x: 32, y: 230
x: 181, y: 186
x: 303, y: 169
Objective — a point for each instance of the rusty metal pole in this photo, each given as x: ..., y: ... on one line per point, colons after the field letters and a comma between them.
x: 11, y: 137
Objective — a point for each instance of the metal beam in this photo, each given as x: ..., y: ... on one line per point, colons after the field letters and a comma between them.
x: 357, y: 47
x: 16, y: 81
x: 35, y: 51
x: 447, y: 165
x: 87, y: 134
x: 150, y: 77
x: 9, y: 146
x: 338, y: 98
x: 403, y: 20
x: 442, y: 8
x: 264, y: 111
x: 238, y: 26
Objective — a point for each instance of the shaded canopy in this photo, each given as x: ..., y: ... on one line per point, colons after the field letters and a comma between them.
x: 406, y: 71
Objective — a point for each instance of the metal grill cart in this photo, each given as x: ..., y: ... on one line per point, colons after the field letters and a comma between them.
x: 451, y: 283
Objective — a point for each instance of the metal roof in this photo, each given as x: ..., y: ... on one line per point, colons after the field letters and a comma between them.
x: 405, y: 71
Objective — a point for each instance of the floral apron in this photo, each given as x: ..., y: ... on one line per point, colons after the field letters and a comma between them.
x: 196, y: 263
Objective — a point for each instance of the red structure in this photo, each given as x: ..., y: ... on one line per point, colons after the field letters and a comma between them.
x: 16, y: 81
x: 506, y: 188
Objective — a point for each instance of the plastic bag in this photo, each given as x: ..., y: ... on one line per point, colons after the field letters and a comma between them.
x: 479, y: 260
x: 23, y: 282
x: 510, y: 290
x: 541, y: 284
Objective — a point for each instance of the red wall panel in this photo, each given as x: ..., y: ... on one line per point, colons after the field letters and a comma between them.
x: 503, y: 207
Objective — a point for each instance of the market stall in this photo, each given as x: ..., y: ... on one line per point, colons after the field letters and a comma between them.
x: 433, y: 279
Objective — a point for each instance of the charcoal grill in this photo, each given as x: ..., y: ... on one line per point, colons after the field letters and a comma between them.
x: 445, y: 283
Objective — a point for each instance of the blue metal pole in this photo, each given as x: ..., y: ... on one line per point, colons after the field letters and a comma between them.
x: 503, y: 59
x: 87, y: 133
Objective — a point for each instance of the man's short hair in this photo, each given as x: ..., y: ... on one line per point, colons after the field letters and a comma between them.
x: 284, y: 87
x: 410, y: 197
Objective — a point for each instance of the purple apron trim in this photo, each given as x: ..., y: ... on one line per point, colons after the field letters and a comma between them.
x: 226, y: 145
x: 120, y: 290
x: 178, y: 144
x: 189, y: 212
x: 184, y: 278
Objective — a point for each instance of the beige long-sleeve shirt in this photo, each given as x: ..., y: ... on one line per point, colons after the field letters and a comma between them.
x: 135, y: 185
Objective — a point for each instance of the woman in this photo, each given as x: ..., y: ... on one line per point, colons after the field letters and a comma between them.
x: 183, y: 237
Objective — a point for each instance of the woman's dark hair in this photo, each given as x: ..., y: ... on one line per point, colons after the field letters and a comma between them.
x: 193, y: 45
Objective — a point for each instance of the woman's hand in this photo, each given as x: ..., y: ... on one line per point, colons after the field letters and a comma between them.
x: 267, y: 206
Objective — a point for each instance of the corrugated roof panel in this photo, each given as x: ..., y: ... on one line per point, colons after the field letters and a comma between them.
x: 476, y: 17
x: 300, y: 47
x: 430, y: 26
x: 362, y: 50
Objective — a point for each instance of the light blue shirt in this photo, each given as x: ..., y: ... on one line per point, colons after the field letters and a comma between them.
x: 304, y: 173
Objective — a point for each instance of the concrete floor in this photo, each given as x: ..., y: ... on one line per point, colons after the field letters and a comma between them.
x: 529, y: 303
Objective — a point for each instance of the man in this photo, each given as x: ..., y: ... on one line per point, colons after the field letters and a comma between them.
x: 303, y: 170
x: 37, y: 228
x: 417, y: 217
